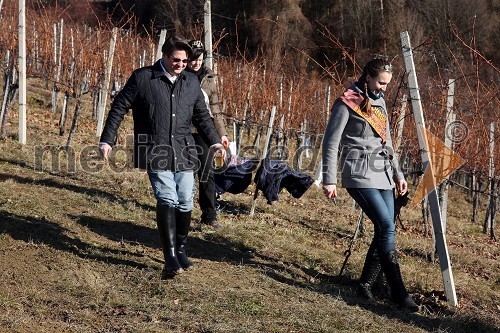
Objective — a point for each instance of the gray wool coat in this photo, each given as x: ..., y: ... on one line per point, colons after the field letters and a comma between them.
x: 365, y: 161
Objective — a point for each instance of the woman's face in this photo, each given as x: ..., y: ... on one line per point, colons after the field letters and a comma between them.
x: 195, y: 65
x: 379, y: 84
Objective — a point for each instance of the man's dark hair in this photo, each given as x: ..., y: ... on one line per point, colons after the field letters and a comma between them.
x: 176, y: 43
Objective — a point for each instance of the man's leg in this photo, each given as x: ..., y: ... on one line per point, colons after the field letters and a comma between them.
x: 185, y: 192
x: 164, y: 188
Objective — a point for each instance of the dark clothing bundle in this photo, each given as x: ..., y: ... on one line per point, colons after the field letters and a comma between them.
x: 236, y: 178
x: 162, y: 112
x: 271, y: 177
x: 274, y: 175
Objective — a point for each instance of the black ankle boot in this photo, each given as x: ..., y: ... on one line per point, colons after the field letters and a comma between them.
x: 370, y: 273
x: 183, y: 220
x: 165, y: 218
x: 399, y: 295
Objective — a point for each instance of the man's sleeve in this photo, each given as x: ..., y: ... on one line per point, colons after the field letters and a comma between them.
x: 121, y: 104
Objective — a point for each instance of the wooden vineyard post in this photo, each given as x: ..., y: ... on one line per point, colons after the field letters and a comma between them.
x: 327, y: 103
x: 448, y: 141
x: 163, y: 35
x: 489, y: 221
x: 442, y: 249
x: 401, y: 123
x: 279, y: 137
x: 22, y: 72
x: 104, y: 99
x: 264, y: 155
x: 207, y: 31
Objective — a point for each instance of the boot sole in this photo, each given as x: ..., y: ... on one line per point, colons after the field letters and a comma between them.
x: 166, y: 275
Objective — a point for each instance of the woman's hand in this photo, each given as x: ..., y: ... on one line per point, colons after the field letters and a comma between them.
x: 330, y: 190
x: 401, y: 186
x: 225, y: 141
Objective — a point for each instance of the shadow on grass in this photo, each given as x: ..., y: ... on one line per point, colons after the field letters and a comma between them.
x: 119, y: 231
x: 221, y: 249
x: 41, y: 231
x: 92, y: 192
x: 344, y: 287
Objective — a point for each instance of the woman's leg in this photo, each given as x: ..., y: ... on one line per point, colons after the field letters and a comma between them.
x: 379, y: 207
x: 206, y: 182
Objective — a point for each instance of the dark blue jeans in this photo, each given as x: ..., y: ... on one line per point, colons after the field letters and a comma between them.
x: 378, y: 205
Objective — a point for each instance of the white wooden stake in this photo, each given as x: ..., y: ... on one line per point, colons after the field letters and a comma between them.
x: 281, y: 129
x: 488, y: 224
x: 59, y: 58
x: 104, y: 99
x: 264, y: 155
x: 401, y: 123
x: 22, y: 72
x: 280, y: 90
x: 448, y: 142
x: 207, y: 30
x: 327, y: 113
x: 163, y: 36
x: 442, y: 249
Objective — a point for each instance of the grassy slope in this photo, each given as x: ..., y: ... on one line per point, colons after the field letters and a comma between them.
x: 79, y: 252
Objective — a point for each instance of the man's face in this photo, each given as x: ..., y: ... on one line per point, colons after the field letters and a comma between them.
x: 175, y: 62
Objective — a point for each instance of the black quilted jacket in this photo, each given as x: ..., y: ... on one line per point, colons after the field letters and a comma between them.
x: 163, y: 113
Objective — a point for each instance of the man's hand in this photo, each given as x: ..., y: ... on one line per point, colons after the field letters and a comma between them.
x: 330, y: 190
x: 105, y: 150
x: 401, y: 186
x: 225, y: 141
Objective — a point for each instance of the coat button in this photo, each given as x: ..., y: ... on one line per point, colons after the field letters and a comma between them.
x: 173, y: 114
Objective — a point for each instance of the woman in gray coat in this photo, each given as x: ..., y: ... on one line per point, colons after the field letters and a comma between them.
x: 359, y: 123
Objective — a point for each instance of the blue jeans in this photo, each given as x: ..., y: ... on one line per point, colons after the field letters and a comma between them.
x: 378, y: 205
x: 173, y: 189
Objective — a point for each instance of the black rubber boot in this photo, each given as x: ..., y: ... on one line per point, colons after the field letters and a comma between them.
x: 392, y: 272
x: 370, y: 273
x: 165, y: 218
x: 183, y: 220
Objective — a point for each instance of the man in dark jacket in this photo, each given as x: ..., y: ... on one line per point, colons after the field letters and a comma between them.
x: 165, y: 101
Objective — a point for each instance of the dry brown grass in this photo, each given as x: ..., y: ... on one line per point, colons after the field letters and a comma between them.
x: 79, y: 253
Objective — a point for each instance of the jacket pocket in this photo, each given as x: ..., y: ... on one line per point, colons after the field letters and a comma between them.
x: 188, y: 157
x: 356, y: 165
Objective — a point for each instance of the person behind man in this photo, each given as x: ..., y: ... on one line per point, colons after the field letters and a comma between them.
x: 206, y: 182
x: 359, y: 123
x: 165, y: 101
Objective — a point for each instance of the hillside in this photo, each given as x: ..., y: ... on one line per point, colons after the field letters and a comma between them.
x: 79, y: 252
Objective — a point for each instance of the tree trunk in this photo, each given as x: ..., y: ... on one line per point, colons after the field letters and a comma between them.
x: 74, y: 125
x: 475, y: 197
x: 10, y: 90
x: 62, y: 119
